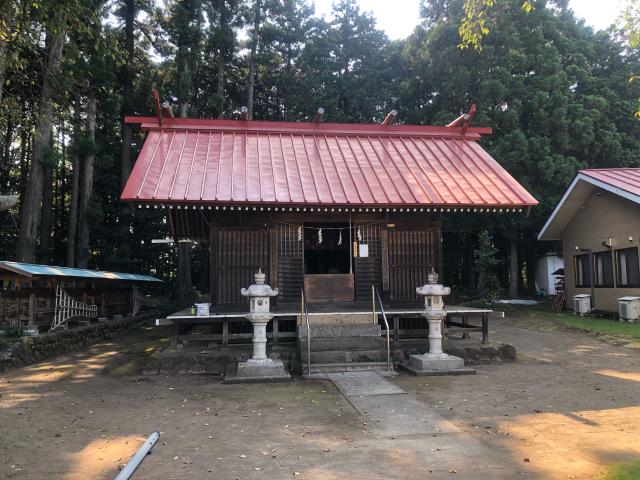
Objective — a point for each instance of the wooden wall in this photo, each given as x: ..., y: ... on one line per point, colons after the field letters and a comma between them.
x: 402, y: 249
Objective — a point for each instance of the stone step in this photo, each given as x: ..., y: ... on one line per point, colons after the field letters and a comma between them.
x: 344, y: 367
x: 337, y: 356
x: 356, y: 330
x: 321, y: 344
x: 340, y: 318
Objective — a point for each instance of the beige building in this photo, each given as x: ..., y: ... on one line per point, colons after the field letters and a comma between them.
x: 598, y: 222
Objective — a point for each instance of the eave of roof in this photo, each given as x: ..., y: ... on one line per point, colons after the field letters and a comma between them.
x: 31, y: 270
x: 579, y: 190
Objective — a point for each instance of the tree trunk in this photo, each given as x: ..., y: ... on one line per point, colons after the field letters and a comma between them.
x: 5, y: 168
x: 61, y: 192
x: 6, y: 27
x: 87, y: 185
x: 44, y: 249
x: 252, y: 58
x: 32, y: 201
x: 220, y: 89
x: 513, y: 263
x: 72, y: 231
x: 124, y: 251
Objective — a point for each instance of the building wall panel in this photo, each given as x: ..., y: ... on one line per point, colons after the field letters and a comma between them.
x: 602, y: 216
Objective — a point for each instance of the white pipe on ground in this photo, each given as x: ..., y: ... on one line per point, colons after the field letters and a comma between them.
x: 136, y: 460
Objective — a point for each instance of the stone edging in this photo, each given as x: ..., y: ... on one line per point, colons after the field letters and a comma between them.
x: 29, y: 350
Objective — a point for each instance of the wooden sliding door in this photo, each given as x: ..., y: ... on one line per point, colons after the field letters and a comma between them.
x: 238, y: 253
x: 412, y: 254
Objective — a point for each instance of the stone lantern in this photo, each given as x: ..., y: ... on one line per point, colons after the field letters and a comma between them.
x: 259, y: 366
x: 435, y: 361
x: 259, y: 315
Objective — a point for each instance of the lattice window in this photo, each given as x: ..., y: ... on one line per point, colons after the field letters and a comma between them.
x: 369, y: 235
x: 290, y: 241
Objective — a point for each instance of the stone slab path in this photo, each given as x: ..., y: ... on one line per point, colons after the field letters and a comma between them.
x: 399, y: 418
x: 360, y: 384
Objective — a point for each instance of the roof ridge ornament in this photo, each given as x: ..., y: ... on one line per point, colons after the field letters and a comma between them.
x: 318, y: 116
x: 391, y: 116
x: 465, y: 119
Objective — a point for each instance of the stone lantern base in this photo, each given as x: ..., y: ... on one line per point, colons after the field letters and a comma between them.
x: 437, y: 364
x: 258, y: 371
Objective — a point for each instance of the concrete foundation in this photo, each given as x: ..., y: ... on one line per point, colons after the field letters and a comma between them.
x: 252, y: 371
x: 437, y: 364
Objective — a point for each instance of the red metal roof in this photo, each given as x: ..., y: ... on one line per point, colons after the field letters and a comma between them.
x: 188, y: 161
x: 627, y: 179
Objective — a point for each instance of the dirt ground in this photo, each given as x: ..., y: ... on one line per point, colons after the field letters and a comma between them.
x: 570, y: 406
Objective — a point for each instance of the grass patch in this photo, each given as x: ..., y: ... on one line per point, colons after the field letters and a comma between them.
x: 623, y: 471
x: 604, y: 326
x: 600, y: 325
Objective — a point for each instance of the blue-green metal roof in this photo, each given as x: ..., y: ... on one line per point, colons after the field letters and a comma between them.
x: 32, y: 269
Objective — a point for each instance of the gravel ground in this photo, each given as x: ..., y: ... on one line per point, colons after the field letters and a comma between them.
x: 569, y: 406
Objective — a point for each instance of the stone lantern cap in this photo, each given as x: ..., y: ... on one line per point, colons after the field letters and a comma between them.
x: 432, y: 287
x: 259, y: 288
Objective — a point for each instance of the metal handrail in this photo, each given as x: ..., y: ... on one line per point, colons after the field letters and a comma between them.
x: 375, y: 295
x: 304, y: 312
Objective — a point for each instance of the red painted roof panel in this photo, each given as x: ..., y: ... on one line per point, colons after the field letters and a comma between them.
x: 236, y: 162
x: 627, y: 179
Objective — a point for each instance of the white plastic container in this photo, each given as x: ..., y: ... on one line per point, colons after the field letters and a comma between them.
x: 202, y: 309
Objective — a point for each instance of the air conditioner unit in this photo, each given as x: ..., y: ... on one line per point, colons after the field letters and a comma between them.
x: 629, y: 308
x: 581, y: 303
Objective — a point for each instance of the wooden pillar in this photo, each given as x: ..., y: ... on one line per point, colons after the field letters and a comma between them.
x: 384, y: 259
x: 485, y: 327
x: 132, y: 304
x: 103, y: 304
x: 396, y: 328
x: 273, y: 257
x: 174, y: 335
x: 213, y: 252
x: 225, y: 331
x: 32, y: 310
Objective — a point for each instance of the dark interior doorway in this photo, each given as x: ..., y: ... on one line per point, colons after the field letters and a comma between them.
x: 326, y: 248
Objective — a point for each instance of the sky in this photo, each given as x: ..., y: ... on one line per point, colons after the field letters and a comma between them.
x: 398, y: 17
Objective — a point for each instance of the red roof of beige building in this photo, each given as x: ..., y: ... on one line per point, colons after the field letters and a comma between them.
x: 235, y: 162
x: 624, y: 182
x: 625, y: 179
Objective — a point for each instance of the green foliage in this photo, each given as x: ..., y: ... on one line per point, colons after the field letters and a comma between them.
x: 486, y: 261
x: 10, y: 335
x: 474, y: 25
x: 84, y: 145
